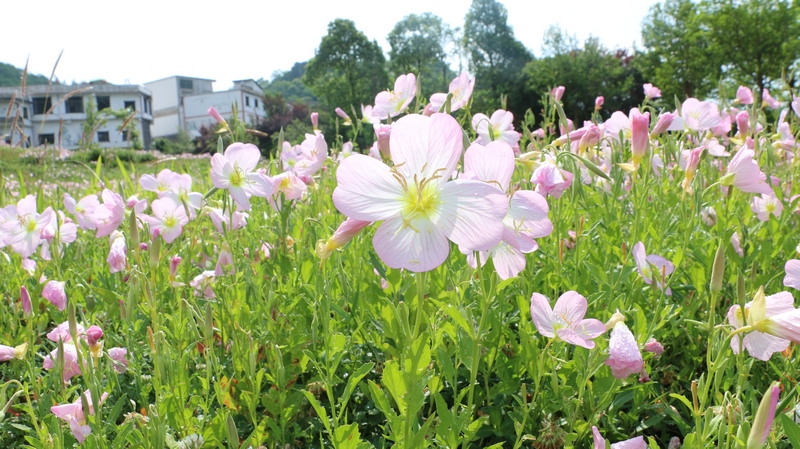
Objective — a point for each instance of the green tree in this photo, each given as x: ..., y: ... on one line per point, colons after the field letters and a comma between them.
x: 289, y: 84
x: 11, y: 76
x: 418, y: 45
x: 585, y: 72
x: 347, y: 69
x: 496, y: 56
x: 679, y: 57
x: 755, y: 40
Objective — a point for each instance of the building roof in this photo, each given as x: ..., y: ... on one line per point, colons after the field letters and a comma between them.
x: 61, y: 89
x: 181, y: 76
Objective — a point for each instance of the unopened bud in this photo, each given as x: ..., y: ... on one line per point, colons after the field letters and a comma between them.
x: 718, y: 270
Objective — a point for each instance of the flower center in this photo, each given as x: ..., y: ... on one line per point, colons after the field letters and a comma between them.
x: 237, y: 178
x: 30, y: 225
x: 422, y: 199
x: 170, y: 222
x: 770, y: 208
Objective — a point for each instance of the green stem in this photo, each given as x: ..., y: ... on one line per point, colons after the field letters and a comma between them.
x: 420, y: 303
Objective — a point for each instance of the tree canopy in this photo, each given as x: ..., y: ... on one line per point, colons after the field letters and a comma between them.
x: 11, y: 76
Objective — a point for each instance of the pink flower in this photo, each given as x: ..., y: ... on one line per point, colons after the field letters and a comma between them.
x: 383, y: 134
x: 499, y: 127
x: 557, y: 93
x: 651, y: 91
x: 461, y: 88
x: 71, y: 366
x: 25, y: 298
x: 220, y: 219
x: 796, y: 106
x: 344, y: 233
x: 633, y: 443
x: 366, y: 115
x: 792, y: 278
x: 54, y: 292
x: 163, y: 182
x: 75, y: 416
x: 83, y: 210
x: 110, y: 214
x: 696, y: 115
x: 654, y: 346
x: 135, y: 204
x: 551, y: 180
x: 94, y: 334
x: 709, y: 216
x: 737, y: 247
x: 118, y: 253
x: 759, y: 343
x: 645, y: 264
x: 766, y: 205
x: 315, y: 120
x: 202, y: 284
x: 640, y: 135
x: 565, y: 319
x: 168, y: 218
x: 744, y: 173
x: 598, y: 102
x: 8, y: 353
x: 526, y: 218
x: 117, y: 356
x: 769, y: 101
x: 393, y: 103
x: 624, y: 357
x: 212, y: 111
x: 224, y: 259
x: 419, y: 206
x: 24, y: 234
x: 61, y: 332
x: 234, y: 171
x: 689, y: 161
x: 310, y: 157
x: 744, y: 95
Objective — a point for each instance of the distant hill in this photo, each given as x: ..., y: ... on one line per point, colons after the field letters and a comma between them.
x: 10, y: 76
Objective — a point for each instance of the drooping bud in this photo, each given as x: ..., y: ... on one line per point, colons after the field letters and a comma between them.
x: 762, y: 423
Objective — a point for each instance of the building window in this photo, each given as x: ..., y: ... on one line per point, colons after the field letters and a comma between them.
x: 103, y: 102
x: 74, y: 105
x: 45, y: 139
x: 102, y: 136
x: 130, y: 105
x: 148, y: 107
x: 41, y: 104
x: 186, y: 84
x: 246, y: 100
x: 256, y: 102
x: 124, y: 135
x: 25, y: 112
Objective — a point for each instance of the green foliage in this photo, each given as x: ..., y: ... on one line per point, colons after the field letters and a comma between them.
x: 678, y: 58
x: 182, y: 143
x: 755, y: 41
x: 496, y: 56
x: 585, y: 72
x: 11, y: 76
x: 347, y: 69
x: 289, y: 84
x: 109, y: 154
x: 418, y: 45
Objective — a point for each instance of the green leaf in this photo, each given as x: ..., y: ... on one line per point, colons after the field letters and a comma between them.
x: 381, y: 401
x: 354, y: 379
x: 347, y: 437
x: 394, y: 382
x: 791, y: 429
x: 323, y: 415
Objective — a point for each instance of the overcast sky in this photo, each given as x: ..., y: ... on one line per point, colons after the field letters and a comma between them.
x: 146, y: 40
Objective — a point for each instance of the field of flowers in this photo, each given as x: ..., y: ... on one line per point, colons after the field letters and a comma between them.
x: 463, y: 283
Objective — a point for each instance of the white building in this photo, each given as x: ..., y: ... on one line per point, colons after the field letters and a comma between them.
x: 181, y: 102
x: 58, y: 118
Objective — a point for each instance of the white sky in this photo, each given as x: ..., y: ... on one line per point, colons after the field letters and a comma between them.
x: 147, y: 40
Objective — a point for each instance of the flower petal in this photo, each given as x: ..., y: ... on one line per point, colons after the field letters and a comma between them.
x: 571, y: 307
x: 426, y: 146
x: 493, y: 163
x: 471, y: 213
x: 419, y: 247
x: 542, y: 315
x: 367, y: 190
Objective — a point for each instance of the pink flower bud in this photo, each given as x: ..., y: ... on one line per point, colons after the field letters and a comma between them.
x: 173, y: 266
x: 143, y: 246
x: 624, y: 356
x: 25, y: 298
x: 429, y: 110
x: 382, y: 133
x: 598, y: 102
x: 54, y: 292
x: 538, y: 133
x: 743, y: 122
x: 344, y: 233
x: 342, y: 114
x: 212, y: 111
x: 640, y: 135
x: 557, y: 93
x: 663, y: 123
x: 315, y: 120
x: 744, y: 95
x: 94, y: 334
